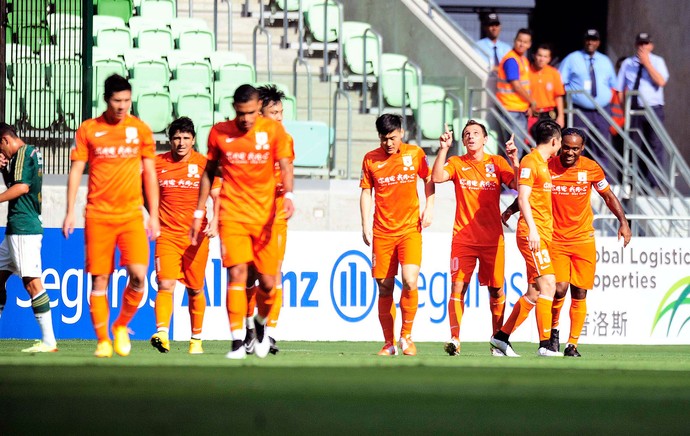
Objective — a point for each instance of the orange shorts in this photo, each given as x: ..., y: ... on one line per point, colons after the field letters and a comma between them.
x: 389, y: 252
x: 463, y: 260
x: 102, y: 236
x: 279, y: 236
x: 575, y: 263
x: 244, y: 243
x: 539, y: 263
x: 177, y: 259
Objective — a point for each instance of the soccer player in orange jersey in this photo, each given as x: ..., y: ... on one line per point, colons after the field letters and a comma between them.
x: 392, y: 171
x: 477, y: 231
x: 179, y: 173
x: 271, y: 107
x: 573, y: 251
x: 120, y: 151
x: 533, y: 235
x: 246, y: 149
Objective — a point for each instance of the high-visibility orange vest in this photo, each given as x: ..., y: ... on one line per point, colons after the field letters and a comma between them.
x: 617, y: 112
x: 504, y: 92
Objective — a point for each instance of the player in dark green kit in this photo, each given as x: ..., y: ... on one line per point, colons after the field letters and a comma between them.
x: 20, y: 250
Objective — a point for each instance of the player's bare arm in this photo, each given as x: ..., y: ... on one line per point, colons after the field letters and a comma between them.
x: 287, y: 179
x: 73, y: 181
x: 513, y: 160
x: 14, y: 191
x: 430, y: 193
x: 204, y: 191
x: 445, y: 141
x: 211, y: 229
x: 152, y: 193
x: 365, y: 202
x: 510, y: 211
x: 616, y: 208
x: 524, y: 193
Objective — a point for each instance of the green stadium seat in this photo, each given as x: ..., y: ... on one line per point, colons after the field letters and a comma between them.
x: 68, y: 45
x: 138, y: 23
x: 314, y: 20
x: 27, y: 13
x: 433, y: 105
x: 156, y: 40
x: 104, y: 68
x: 391, y: 79
x: 155, y: 108
x: 69, y: 107
x: 225, y: 106
x: 176, y: 57
x: 134, y: 55
x: 12, y: 108
x: 197, y: 106
x: 312, y: 146
x: 236, y: 74
x: 116, y: 8
x: 68, y: 6
x: 199, y: 40
x: 27, y: 76
x: 35, y: 36
x: 219, y: 58
x: 195, y: 72
x: 165, y: 10
x: 353, y: 28
x: 180, y: 24
x: 106, y: 22
x: 178, y: 88
x: 353, y: 52
x: 116, y: 40
x: 41, y: 108
x: 18, y: 53
x: 59, y: 21
x: 65, y: 76
x: 151, y: 73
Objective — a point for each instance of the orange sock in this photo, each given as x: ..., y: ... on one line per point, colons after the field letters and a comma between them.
x: 387, y: 317
x: 275, y: 307
x: 100, y: 314
x: 556, y: 311
x: 409, y: 300
x: 578, y: 313
x: 544, y: 305
x: 251, y: 300
x: 519, y: 314
x: 197, y: 308
x: 130, y: 305
x: 236, y: 304
x: 163, y: 308
x: 264, y: 301
x: 498, y: 308
x: 456, y: 308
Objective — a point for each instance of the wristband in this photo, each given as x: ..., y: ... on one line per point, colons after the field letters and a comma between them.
x: 289, y: 196
x: 198, y: 214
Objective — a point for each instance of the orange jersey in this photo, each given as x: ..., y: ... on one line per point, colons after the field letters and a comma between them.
x: 534, y: 172
x: 280, y: 208
x: 114, y: 154
x: 179, y: 191
x: 545, y: 86
x: 247, y: 160
x: 478, y: 196
x: 394, y: 180
x: 571, y: 192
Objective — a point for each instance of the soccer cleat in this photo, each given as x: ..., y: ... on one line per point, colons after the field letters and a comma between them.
x: 504, y: 346
x: 104, y: 349
x: 554, y: 340
x: 547, y: 352
x: 121, y: 343
x: 389, y: 349
x: 160, y: 341
x: 571, y: 351
x: 274, y: 348
x: 195, y: 346
x: 263, y: 345
x: 238, y: 351
x: 495, y: 352
x: 250, y: 341
x: 407, y: 347
x: 452, y: 347
x: 40, y: 347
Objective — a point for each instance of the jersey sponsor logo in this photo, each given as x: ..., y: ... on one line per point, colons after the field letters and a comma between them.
x: 353, y: 289
x: 582, y: 176
x: 99, y: 134
x: 396, y: 179
x: 131, y: 135
x: 525, y: 173
x: 179, y: 183
x: 116, y: 152
x: 251, y: 158
x: 488, y: 185
x: 193, y: 171
x: 261, y: 140
x: 407, y: 160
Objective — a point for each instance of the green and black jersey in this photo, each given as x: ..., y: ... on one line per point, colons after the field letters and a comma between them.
x: 24, y: 212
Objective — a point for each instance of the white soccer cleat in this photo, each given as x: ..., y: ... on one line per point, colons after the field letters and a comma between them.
x: 545, y: 352
x: 504, y: 346
x: 262, y: 346
x: 452, y: 347
x: 495, y: 352
x: 237, y: 352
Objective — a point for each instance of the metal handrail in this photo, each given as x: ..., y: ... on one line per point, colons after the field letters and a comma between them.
x: 268, y: 50
x: 336, y: 96
x: 245, y: 9
x: 284, y: 39
x: 324, y: 69
x: 419, y: 97
x: 379, y: 43
x: 300, y: 31
x: 301, y: 61
x: 229, y: 2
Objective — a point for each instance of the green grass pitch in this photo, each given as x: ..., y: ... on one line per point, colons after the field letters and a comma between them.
x: 344, y: 388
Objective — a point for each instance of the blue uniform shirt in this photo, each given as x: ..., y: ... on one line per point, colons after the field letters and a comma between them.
x: 487, y: 50
x: 650, y: 94
x: 575, y: 73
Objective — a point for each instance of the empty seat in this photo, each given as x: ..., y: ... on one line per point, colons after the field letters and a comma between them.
x: 312, y: 146
x: 12, y: 107
x: 353, y: 51
x: 323, y: 21
x: 197, y: 106
x: 68, y: 6
x: 436, y: 110
x: 161, y: 9
x: 221, y: 57
x: 155, y: 109
x: 195, y: 71
x: 138, y: 23
x: 134, y: 55
x: 27, y: 76
x: 65, y: 76
x: 59, y: 21
x: 69, y: 108
x: 19, y: 52
x: 115, y: 8
x: 200, y: 40
x: 105, y: 22
x: 353, y: 28
x: 41, y: 108
x: 180, y: 24
x: 27, y: 13
x: 35, y: 36
x: 151, y: 73
x: 156, y: 40
x: 176, y: 57
x: 68, y: 44
x: 178, y: 88
x: 236, y: 74
x: 116, y: 40
x: 104, y: 68
x: 391, y: 80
